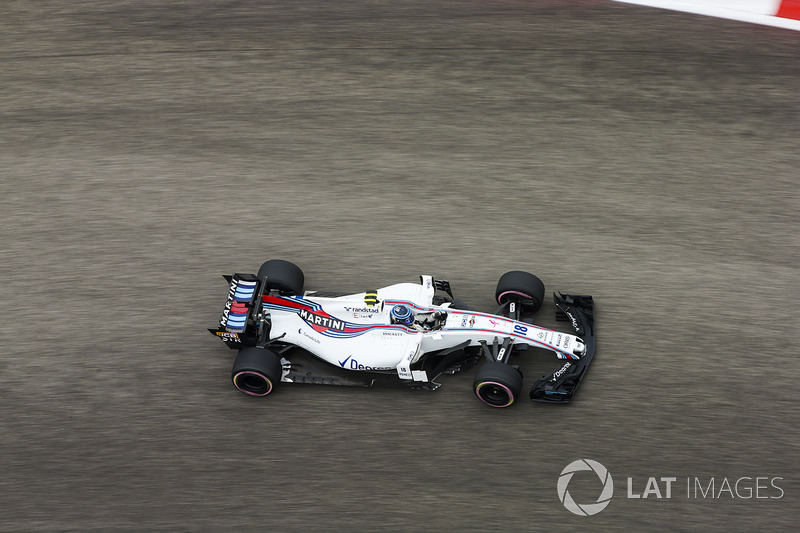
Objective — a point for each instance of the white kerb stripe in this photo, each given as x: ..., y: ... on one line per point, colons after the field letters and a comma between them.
x: 753, y: 11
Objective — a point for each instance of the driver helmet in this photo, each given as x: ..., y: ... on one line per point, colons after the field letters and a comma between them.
x: 401, y: 314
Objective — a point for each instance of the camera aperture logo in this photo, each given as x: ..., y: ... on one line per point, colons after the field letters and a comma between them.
x: 585, y: 509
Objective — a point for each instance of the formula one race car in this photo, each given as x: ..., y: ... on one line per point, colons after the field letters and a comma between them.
x: 406, y: 334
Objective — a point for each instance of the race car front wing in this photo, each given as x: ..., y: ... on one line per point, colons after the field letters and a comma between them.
x: 560, y: 385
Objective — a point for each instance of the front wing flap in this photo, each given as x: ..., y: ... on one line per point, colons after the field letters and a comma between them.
x: 560, y: 385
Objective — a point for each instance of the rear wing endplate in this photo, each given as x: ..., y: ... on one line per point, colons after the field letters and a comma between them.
x: 239, y: 310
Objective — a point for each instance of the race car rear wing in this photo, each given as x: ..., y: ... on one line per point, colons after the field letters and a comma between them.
x: 238, y: 316
x: 560, y: 385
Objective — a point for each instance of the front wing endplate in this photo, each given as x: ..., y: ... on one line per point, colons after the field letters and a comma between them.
x: 560, y: 385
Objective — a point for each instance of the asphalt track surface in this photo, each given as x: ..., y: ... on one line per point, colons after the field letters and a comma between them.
x: 646, y: 157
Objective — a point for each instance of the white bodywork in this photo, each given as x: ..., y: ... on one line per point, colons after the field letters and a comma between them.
x: 347, y: 332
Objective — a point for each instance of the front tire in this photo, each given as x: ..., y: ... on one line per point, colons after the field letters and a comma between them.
x: 256, y: 371
x: 522, y: 287
x: 497, y: 384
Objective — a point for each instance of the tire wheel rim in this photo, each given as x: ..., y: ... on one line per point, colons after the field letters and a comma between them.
x: 494, y: 394
x: 252, y: 383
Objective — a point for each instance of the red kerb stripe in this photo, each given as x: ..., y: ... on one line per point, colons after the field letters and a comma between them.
x: 789, y: 9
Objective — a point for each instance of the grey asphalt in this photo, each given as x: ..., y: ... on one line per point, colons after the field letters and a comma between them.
x: 646, y: 157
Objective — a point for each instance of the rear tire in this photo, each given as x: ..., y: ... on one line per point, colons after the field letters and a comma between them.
x: 282, y: 275
x: 522, y: 287
x: 497, y: 384
x: 256, y: 371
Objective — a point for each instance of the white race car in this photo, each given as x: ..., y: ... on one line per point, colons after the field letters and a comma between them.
x: 406, y: 333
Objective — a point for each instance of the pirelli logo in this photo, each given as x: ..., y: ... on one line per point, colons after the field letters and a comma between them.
x: 371, y: 298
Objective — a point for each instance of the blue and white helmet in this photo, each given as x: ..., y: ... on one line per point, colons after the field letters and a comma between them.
x: 401, y: 314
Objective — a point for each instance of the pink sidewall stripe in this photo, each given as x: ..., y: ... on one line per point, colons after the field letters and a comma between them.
x: 517, y: 293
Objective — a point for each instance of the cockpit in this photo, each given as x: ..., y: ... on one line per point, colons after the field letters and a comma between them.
x: 422, y: 321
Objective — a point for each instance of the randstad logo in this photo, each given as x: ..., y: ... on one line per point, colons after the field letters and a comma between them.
x: 585, y: 509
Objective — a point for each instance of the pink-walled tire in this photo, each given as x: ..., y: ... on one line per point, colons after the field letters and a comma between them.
x: 522, y: 287
x: 256, y: 371
x: 497, y: 384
